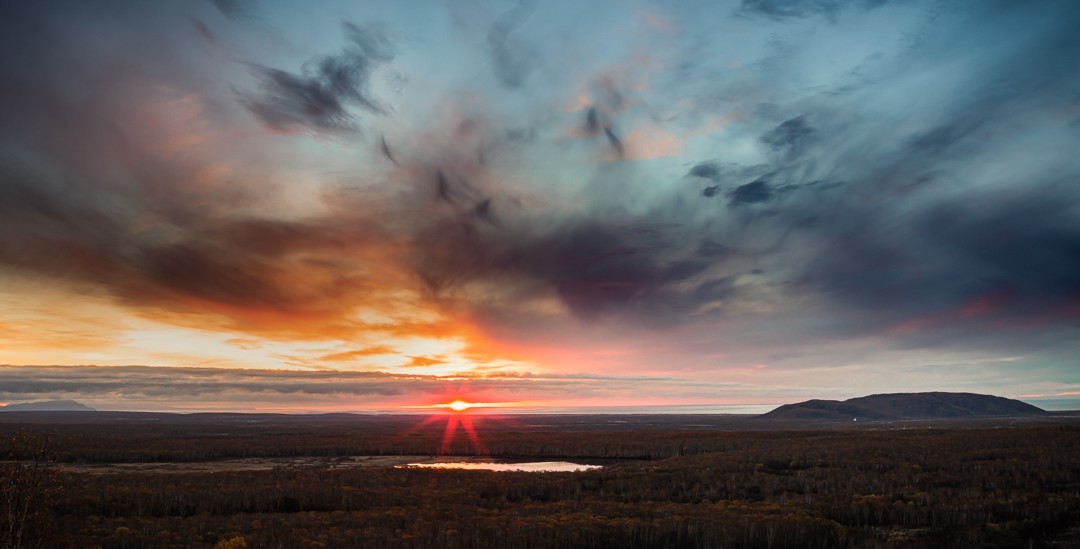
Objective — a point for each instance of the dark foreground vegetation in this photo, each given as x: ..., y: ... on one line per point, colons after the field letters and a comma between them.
x: 689, y: 484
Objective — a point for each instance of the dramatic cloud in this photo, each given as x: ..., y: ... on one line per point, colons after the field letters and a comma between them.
x: 320, y: 96
x: 791, y: 138
x: 788, y: 9
x: 750, y: 193
x: 545, y: 187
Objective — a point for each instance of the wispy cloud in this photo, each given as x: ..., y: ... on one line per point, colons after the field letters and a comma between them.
x: 318, y: 98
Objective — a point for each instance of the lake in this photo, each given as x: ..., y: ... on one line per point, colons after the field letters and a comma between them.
x: 341, y: 462
x: 531, y: 467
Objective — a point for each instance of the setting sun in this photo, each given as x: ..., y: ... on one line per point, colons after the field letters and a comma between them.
x: 459, y: 405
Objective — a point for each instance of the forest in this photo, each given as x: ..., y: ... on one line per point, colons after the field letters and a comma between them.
x: 679, y: 484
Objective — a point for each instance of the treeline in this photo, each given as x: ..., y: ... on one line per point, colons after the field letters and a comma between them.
x: 175, y: 442
x: 117, y: 442
x: 930, y: 488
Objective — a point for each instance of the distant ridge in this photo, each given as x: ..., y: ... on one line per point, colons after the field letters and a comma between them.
x: 906, y: 406
x: 48, y: 406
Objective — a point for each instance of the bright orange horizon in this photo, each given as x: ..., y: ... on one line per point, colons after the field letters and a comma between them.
x: 567, y: 206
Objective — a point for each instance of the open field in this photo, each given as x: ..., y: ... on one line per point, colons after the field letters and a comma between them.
x: 242, y: 464
x: 160, y: 480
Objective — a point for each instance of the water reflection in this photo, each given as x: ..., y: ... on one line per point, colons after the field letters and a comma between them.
x: 532, y: 467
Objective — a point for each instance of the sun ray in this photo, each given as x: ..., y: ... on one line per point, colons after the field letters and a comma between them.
x: 427, y: 421
x: 470, y: 431
x: 448, y: 435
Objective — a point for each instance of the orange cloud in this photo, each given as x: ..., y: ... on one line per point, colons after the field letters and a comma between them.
x: 358, y: 353
x: 422, y: 362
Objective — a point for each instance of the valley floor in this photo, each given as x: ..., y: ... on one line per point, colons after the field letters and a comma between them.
x: 296, y: 482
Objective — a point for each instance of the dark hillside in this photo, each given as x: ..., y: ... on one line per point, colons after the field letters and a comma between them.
x: 906, y: 406
x: 47, y: 406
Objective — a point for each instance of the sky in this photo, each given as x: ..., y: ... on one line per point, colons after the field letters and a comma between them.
x: 264, y: 205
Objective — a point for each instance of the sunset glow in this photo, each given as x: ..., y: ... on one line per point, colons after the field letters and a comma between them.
x: 782, y: 273
x: 461, y: 405
x: 557, y: 205
x: 456, y: 421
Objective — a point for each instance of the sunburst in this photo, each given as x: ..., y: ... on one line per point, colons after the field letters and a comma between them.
x: 461, y: 414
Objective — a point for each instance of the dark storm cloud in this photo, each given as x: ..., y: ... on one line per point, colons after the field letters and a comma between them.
x: 596, y: 267
x: 51, y: 230
x: 838, y: 217
x: 920, y: 239
x: 614, y: 140
x: 791, y: 138
x: 479, y: 238
x: 92, y: 196
x: 71, y: 235
x: 794, y: 9
x: 385, y: 149
x: 442, y: 187
x: 597, y: 123
x: 454, y: 189
x: 189, y: 269
x: 592, y: 121
x: 1040, y: 261
x: 875, y: 210
x: 750, y: 193
x: 931, y: 224
x: 707, y: 170
x: 318, y: 98
x: 482, y: 212
x: 730, y: 179
x: 1012, y: 260
x: 58, y: 217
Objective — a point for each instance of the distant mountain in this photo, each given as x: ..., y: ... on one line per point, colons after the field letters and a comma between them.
x: 48, y: 406
x: 906, y: 406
